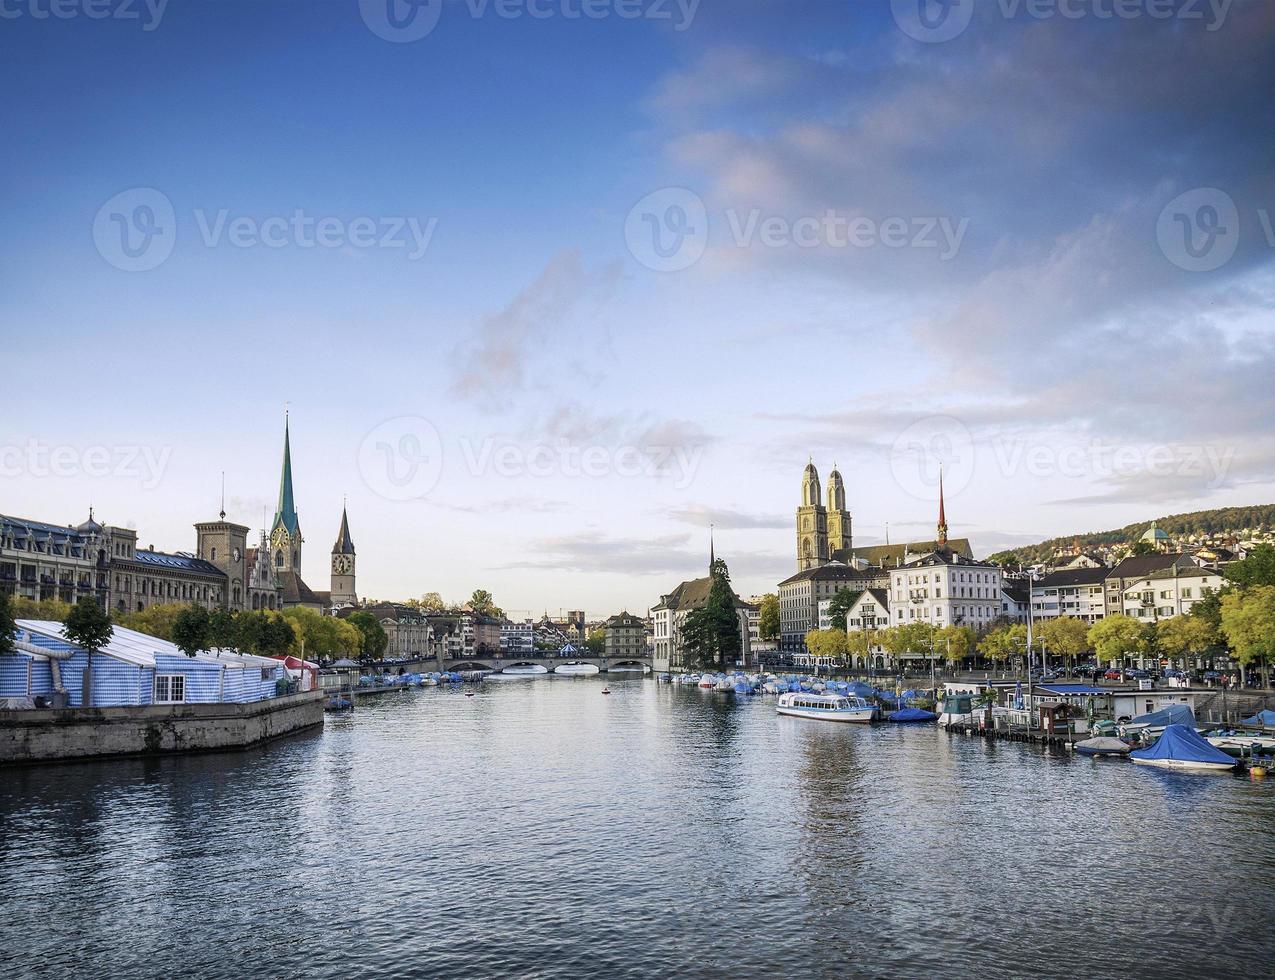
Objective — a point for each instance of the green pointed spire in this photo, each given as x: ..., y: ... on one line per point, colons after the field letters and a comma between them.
x: 286, y: 513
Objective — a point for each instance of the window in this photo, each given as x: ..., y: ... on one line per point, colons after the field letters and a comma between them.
x: 170, y: 688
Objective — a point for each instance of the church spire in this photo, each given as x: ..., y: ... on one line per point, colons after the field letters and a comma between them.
x: 942, y: 537
x: 344, y: 543
x: 712, y: 556
x: 286, y: 513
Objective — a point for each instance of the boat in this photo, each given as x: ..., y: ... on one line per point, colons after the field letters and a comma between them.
x: 1238, y: 742
x: 708, y: 681
x: 912, y: 716
x: 523, y: 670
x: 1263, y: 719
x: 1149, y: 727
x: 1102, y: 745
x: 606, y: 690
x: 1182, y: 747
x: 724, y: 684
x: 577, y: 669
x: 825, y: 707
x: 956, y: 708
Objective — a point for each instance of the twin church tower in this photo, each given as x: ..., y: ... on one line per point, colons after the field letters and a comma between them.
x: 823, y: 533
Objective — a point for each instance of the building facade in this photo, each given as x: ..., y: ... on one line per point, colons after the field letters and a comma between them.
x: 625, y: 637
x: 1170, y: 592
x: 669, y: 616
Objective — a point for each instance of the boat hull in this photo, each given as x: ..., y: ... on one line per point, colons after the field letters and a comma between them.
x: 862, y: 716
x: 1186, y: 765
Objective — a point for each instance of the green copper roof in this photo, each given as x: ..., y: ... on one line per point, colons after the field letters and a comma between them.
x: 286, y: 513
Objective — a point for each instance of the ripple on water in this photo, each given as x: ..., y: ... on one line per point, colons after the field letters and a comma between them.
x: 539, y: 829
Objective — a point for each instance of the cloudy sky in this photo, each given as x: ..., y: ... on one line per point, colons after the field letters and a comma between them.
x: 549, y: 286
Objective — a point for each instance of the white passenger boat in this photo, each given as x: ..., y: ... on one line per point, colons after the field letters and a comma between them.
x: 523, y: 670
x: 956, y: 709
x: 577, y: 669
x: 825, y: 707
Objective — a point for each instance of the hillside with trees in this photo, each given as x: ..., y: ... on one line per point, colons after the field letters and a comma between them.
x: 1224, y: 520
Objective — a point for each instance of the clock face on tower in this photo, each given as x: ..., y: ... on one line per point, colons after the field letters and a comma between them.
x: 279, y: 538
x: 342, y: 564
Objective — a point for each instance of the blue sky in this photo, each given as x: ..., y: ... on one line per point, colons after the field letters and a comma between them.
x: 1019, y: 301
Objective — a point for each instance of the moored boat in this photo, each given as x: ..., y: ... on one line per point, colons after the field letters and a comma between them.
x: 1102, y: 746
x: 1182, y: 747
x: 956, y: 708
x: 825, y: 707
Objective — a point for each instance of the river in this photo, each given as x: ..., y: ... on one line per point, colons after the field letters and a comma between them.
x: 543, y: 829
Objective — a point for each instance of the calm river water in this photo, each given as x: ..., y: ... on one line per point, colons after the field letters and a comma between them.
x: 541, y: 829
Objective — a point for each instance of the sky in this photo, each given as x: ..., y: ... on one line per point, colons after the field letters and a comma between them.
x: 548, y: 286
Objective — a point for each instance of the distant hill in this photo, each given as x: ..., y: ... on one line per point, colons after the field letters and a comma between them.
x: 1226, y: 520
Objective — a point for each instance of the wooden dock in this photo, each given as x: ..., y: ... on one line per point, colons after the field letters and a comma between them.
x: 1018, y: 733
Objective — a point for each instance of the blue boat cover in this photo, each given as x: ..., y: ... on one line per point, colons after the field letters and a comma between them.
x: 1266, y: 718
x: 1185, y: 744
x: 913, y: 714
x: 1174, y: 714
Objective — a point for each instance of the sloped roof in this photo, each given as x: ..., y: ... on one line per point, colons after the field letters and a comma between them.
x: 891, y: 554
x: 1068, y: 577
x: 296, y: 592
x: 181, y: 561
x: 344, y: 543
x: 691, y: 595
x: 1140, y: 566
x: 835, y: 571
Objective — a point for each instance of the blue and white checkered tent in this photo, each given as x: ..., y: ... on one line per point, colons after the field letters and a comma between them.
x: 133, y: 669
x: 122, y: 674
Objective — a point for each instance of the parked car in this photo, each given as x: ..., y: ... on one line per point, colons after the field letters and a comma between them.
x: 1113, y: 675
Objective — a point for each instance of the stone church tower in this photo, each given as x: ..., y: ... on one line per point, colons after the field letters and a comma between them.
x: 840, y: 536
x: 343, y: 558
x: 812, y: 522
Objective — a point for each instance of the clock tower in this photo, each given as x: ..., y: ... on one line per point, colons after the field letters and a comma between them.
x: 343, y: 559
x: 285, y: 532
x: 223, y: 544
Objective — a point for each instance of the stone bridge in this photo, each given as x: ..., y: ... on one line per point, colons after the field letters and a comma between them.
x: 604, y: 664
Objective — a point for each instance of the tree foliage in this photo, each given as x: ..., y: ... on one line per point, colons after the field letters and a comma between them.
x: 373, y: 638
x: 829, y: 643
x: 1183, y: 636
x: 1064, y: 636
x: 481, y: 603
x: 1248, y: 623
x: 596, y: 642
x: 710, y: 634
x: 840, y: 605
x: 48, y: 610
x: 768, y: 624
x: 8, y: 626
x: 190, y: 630
x: 1115, y: 637
x: 157, y: 620
x: 88, y: 626
x: 955, y: 643
x: 1257, y: 569
x: 317, y: 637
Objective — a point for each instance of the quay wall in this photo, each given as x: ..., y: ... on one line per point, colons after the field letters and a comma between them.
x: 50, y: 734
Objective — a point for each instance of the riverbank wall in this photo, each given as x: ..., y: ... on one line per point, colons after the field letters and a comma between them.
x: 53, y: 734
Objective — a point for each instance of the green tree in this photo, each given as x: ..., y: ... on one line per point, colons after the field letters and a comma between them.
x: 251, y: 632
x: 221, y: 629
x: 840, y: 605
x: 596, y: 642
x: 768, y: 617
x: 1248, y: 623
x: 1182, y: 636
x: 89, y: 627
x: 48, y: 610
x: 154, y: 620
x: 190, y: 630
x: 829, y: 643
x: 710, y: 634
x: 859, y: 644
x: 995, y: 645
x: 1064, y: 636
x: 431, y: 603
x: 1115, y: 637
x: 8, y: 626
x: 280, y: 637
x: 1142, y: 548
x: 955, y: 643
x: 1256, y: 569
x: 481, y: 603
x: 374, y: 638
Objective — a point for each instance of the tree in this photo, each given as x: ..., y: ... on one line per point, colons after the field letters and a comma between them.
x: 829, y: 644
x: 995, y: 645
x: 482, y: 604
x: 374, y: 639
x: 1064, y: 636
x: 252, y: 632
x: 955, y: 643
x: 1115, y: 637
x: 768, y: 617
x: 1142, y: 548
x: 710, y: 634
x: 8, y: 627
x: 1257, y: 569
x: 840, y: 605
x: 155, y: 620
x: 49, y: 610
x: 859, y: 644
x: 430, y: 603
x: 89, y: 627
x: 1248, y: 623
x: 1181, y: 636
x: 596, y: 642
x: 279, y: 636
x: 221, y: 629
x: 190, y: 630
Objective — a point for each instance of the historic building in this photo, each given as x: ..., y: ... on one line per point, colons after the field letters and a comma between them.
x: 1168, y: 592
x: 625, y: 637
x: 669, y: 615
x: 52, y: 561
x: 264, y: 590
x: 343, y: 559
x: 224, y: 545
